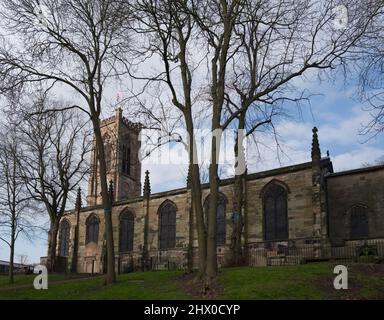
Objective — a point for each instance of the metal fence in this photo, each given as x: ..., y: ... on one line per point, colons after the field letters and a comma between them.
x: 268, y: 253
x: 290, y: 253
x: 156, y: 262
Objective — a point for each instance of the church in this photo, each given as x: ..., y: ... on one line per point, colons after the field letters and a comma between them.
x: 292, y: 214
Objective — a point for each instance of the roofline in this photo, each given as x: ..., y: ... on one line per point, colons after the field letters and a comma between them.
x: 288, y: 169
x: 355, y: 171
x: 224, y: 182
x: 135, y: 126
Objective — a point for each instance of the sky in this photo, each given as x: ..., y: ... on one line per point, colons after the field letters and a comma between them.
x: 334, y: 110
x: 337, y: 114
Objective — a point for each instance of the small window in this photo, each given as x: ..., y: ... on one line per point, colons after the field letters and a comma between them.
x: 359, y: 222
x: 65, y: 230
x: 92, y: 233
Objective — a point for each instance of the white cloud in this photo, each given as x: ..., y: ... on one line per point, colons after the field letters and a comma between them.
x: 346, y: 131
x: 341, y: 137
x: 356, y: 158
x: 165, y: 177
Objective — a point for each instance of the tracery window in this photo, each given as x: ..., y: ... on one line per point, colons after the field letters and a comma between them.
x: 92, y: 230
x: 126, y: 231
x: 65, y: 230
x: 275, y: 212
x: 167, y: 219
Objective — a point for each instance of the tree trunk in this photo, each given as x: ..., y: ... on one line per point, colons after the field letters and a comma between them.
x: 219, y: 63
x: 52, y: 246
x: 238, y: 203
x: 236, y: 247
x: 245, y: 219
x: 74, y: 268
x: 111, y: 274
x: 12, y: 258
x: 199, y: 214
x: 197, y: 202
x: 211, y: 268
x: 190, y: 242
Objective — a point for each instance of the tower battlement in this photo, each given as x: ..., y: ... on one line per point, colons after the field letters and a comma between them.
x: 121, y: 146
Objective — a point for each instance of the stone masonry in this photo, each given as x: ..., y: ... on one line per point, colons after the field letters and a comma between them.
x: 316, y: 200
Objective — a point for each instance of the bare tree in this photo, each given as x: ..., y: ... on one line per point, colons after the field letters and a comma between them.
x: 378, y: 162
x: 247, y: 53
x: 170, y: 32
x: 257, y: 119
x: 216, y: 21
x: 53, y: 163
x: 80, y: 44
x: 23, y: 259
x: 257, y: 49
x: 368, y: 62
x: 16, y: 208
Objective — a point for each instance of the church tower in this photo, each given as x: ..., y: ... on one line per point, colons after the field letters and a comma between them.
x: 122, y: 146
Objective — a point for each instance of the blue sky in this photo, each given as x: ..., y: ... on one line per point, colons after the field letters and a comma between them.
x: 339, y: 117
x: 336, y: 113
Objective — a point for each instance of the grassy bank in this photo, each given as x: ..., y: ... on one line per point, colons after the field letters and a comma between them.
x: 311, y: 281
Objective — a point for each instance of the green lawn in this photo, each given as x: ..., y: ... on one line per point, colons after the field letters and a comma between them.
x: 20, y: 280
x: 311, y: 281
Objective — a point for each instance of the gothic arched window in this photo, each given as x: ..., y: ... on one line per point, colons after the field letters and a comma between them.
x: 167, y: 221
x: 92, y: 230
x: 220, y: 218
x: 108, y: 152
x: 126, y: 161
x: 127, y: 222
x: 359, y: 222
x: 65, y: 230
x: 275, y: 212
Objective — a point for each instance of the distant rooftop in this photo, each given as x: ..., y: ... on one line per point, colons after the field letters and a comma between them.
x: 16, y: 265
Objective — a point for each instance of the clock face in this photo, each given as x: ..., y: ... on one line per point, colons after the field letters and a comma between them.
x: 126, y: 186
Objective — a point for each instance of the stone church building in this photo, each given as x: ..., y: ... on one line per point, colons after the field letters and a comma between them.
x: 303, y: 211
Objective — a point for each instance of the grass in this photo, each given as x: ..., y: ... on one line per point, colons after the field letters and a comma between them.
x: 291, y: 282
x: 311, y: 281
x: 21, y: 280
x: 138, y: 286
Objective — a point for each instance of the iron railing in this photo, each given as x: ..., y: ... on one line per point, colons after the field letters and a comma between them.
x: 291, y: 253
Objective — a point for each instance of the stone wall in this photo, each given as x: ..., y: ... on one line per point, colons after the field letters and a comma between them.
x: 300, y: 220
x: 358, y: 187
x: 297, y: 179
x: 117, y: 131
